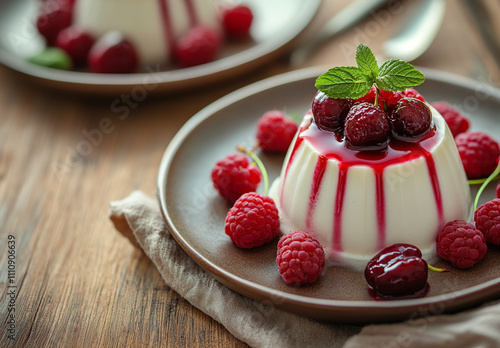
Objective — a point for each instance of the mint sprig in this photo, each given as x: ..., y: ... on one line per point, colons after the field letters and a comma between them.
x: 356, y: 81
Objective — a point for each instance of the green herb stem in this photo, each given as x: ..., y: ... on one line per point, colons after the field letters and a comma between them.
x: 435, y: 269
x: 480, y: 181
x: 260, y: 165
x: 486, y: 182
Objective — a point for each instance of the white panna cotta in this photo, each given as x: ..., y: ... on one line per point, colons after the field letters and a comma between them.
x: 153, y: 26
x: 358, y: 202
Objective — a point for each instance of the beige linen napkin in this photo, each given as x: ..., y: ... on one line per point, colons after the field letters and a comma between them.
x: 138, y: 218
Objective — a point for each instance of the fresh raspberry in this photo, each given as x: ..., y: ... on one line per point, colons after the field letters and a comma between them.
x: 237, y: 21
x: 461, y: 244
x: 411, y: 118
x: 412, y: 93
x: 53, y: 17
x: 368, y: 97
x: 487, y: 219
x: 300, y: 258
x: 479, y: 153
x: 329, y: 113
x: 233, y: 176
x: 387, y: 100
x: 367, y: 125
x: 275, y: 131
x: 252, y: 221
x: 113, y: 53
x: 76, y: 42
x: 457, y: 122
x: 199, y: 45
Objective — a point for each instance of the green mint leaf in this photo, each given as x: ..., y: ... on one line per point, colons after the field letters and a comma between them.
x: 344, y: 82
x: 366, y: 61
x: 52, y: 57
x: 397, y: 75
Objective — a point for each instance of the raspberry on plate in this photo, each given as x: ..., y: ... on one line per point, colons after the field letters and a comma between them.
x: 487, y: 219
x: 252, y: 221
x: 237, y: 21
x: 199, y: 45
x: 300, y: 258
x: 479, y: 154
x: 461, y: 244
x: 367, y: 125
x: 456, y: 121
x: 329, y: 114
x: 234, y: 175
x: 275, y: 131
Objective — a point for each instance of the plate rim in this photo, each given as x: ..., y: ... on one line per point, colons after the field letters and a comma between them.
x: 260, y: 292
x: 253, y: 55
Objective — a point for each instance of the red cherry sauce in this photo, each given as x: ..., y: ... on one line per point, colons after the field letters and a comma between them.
x: 167, y: 20
x: 332, y: 146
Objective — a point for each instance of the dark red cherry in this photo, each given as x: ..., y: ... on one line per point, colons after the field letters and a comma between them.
x: 53, y: 17
x: 114, y: 54
x: 76, y: 42
x: 329, y: 113
x: 397, y: 271
x: 366, y: 125
x: 411, y: 118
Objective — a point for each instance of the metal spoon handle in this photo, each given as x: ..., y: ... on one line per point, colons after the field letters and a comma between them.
x: 353, y: 13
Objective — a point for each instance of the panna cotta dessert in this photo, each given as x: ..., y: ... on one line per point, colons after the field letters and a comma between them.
x: 358, y: 200
x: 153, y: 26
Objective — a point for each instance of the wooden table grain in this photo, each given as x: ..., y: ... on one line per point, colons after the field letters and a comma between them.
x: 63, y: 157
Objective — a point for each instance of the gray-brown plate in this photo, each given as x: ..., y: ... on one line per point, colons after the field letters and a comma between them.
x: 195, y: 213
x: 274, y: 31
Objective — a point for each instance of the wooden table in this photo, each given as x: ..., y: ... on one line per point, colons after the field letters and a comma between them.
x: 64, y: 157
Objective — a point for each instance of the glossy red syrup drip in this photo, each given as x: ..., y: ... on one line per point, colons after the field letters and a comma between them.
x: 380, y: 197
x: 319, y: 171
x: 339, y: 203
x: 168, y: 30
x: 431, y: 166
x: 332, y: 146
x: 296, y: 146
x: 167, y: 18
x: 193, y: 16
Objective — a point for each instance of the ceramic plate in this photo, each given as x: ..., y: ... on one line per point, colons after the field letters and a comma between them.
x: 195, y: 213
x: 271, y: 36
